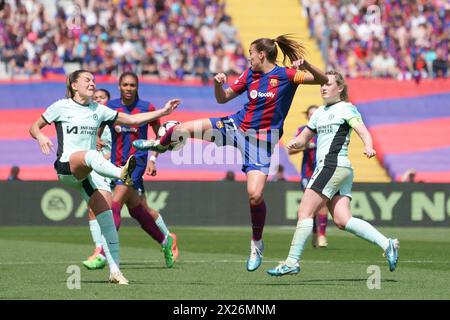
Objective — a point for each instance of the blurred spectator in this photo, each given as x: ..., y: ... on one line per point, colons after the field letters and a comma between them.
x: 14, y: 174
x: 229, y: 176
x: 397, y: 39
x: 150, y: 37
x: 279, y: 175
x: 409, y: 175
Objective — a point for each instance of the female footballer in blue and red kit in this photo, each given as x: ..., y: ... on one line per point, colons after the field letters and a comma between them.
x: 307, y: 170
x: 122, y: 138
x: 256, y: 128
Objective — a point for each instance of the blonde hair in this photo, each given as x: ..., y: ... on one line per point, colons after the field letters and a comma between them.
x: 71, y: 78
x: 289, y: 47
x: 340, y: 81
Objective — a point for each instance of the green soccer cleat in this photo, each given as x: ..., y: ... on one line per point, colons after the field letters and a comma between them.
x: 167, y: 250
x: 99, y: 262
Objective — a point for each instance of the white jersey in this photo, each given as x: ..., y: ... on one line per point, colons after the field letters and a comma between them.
x: 77, y: 125
x: 331, y: 123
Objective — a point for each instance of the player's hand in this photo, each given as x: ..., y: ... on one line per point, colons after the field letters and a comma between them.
x: 170, y: 106
x: 151, y: 168
x: 220, y: 78
x: 45, y: 144
x: 369, y: 152
x: 100, y: 144
x: 300, y: 64
x: 293, y: 145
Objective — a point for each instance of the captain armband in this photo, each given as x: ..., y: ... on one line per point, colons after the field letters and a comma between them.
x: 299, y: 77
x: 355, y: 121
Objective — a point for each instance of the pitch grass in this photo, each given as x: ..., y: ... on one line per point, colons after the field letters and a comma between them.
x: 34, y: 260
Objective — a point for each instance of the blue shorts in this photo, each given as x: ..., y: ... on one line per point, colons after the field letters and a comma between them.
x: 138, y: 181
x: 256, y: 153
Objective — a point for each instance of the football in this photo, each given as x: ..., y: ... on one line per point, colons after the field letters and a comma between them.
x: 175, y: 145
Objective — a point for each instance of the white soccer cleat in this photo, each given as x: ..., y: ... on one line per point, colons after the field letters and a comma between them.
x: 117, y: 278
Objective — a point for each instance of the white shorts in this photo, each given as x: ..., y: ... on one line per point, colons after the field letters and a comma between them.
x: 87, y: 186
x: 331, y: 181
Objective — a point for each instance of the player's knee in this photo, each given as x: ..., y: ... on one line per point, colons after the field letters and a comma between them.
x: 340, y: 223
x: 255, y: 198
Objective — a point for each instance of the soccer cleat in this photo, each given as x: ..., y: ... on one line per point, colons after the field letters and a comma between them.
x: 153, y: 145
x: 127, y: 171
x: 322, y: 242
x: 96, y: 260
x: 174, y: 246
x: 117, y: 278
x: 283, y: 269
x: 99, y: 262
x: 255, y: 258
x: 167, y: 250
x: 391, y: 254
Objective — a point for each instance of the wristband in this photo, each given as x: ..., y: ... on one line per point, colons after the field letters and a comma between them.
x: 153, y: 158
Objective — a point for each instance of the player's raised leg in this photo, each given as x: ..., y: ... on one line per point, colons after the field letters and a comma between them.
x: 82, y: 162
x: 191, y: 129
x: 340, y: 208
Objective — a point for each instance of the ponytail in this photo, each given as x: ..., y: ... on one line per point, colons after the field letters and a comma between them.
x: 289, y: 47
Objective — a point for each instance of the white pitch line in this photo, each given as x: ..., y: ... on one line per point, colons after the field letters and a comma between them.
x: 227, y: 261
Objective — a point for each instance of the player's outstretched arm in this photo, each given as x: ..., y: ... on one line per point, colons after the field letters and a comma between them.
x: 300, y: 142
x: 313, y: 75
x: 366, y: 138
x: 222, y: 95
x: 146, y: 117
x: 45, y: 143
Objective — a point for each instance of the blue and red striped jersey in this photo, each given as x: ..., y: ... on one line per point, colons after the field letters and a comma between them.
x: 309, y: 157
x: 123, y: 136
x: 269, y: 97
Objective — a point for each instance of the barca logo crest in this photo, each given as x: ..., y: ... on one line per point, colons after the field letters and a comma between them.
x: 273, y: 82
x: 219, y: 124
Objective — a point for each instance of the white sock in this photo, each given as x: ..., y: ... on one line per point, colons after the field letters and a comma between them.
x: 257, y: 243
x: 301, y: 235
x: 110, y: 239
x: 96, y: 233
x: 99, y: 164
x: 366, y: 231
x: 162, y: 226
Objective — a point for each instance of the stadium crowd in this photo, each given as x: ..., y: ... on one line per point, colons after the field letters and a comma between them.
x: 400, y: 39
x: 170, y: 39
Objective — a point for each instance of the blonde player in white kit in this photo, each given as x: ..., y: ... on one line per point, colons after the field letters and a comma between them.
x: 332, y: 180
x: 77, y: 120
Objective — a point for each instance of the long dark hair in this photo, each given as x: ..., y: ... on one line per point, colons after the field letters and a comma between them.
x: 71, y: 78
x: 290, y: 48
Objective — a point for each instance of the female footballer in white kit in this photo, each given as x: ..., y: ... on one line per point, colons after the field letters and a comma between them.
x: 77, y: 120
x: 332, y: 179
